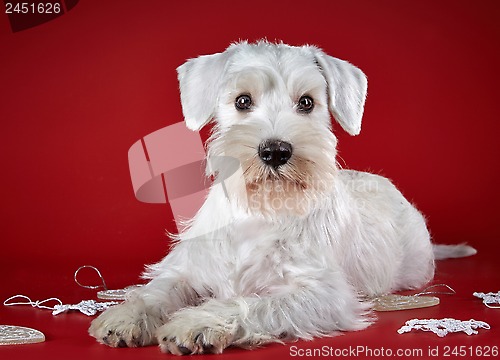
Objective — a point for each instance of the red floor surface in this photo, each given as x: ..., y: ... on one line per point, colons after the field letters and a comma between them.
x: 66, y: 334
x: 77, y: 90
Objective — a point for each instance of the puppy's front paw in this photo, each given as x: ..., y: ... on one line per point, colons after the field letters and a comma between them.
x: 194, y: 331
x: 125, y: 325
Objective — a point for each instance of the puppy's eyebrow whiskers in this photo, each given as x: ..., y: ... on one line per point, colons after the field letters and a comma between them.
x: 338, y: 163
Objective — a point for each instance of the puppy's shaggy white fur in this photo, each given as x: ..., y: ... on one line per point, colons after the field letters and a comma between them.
x: 278, y: 251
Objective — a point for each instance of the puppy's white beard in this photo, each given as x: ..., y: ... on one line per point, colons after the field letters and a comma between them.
x: 291, y: 189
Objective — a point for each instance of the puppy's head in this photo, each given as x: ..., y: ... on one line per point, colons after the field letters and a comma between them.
x: 271, y: 104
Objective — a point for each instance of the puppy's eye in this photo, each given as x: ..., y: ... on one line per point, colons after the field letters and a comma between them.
x: 305, y: 104
x: 243, y: 102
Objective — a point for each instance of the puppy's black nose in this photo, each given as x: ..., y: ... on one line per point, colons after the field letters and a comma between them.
x: 275, y: 152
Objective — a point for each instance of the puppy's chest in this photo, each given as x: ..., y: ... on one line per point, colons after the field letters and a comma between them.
x: 253, y: 245
x: 259, y: 258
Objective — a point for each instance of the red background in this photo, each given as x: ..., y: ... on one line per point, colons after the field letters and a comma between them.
x: 78, y: 91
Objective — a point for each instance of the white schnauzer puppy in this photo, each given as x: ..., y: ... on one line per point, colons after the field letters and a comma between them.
x: 288, y: 245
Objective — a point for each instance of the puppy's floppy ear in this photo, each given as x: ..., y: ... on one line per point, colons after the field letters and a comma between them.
x: 347, y: 87
x: 199, y: 81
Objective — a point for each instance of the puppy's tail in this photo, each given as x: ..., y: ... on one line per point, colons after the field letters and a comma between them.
x: 452, y: 251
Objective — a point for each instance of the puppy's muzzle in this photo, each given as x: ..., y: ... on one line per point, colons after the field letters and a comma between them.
x: 275, y: 152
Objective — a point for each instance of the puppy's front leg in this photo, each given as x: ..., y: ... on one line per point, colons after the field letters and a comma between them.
x: 290, y: 312
x: 134, y: 322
